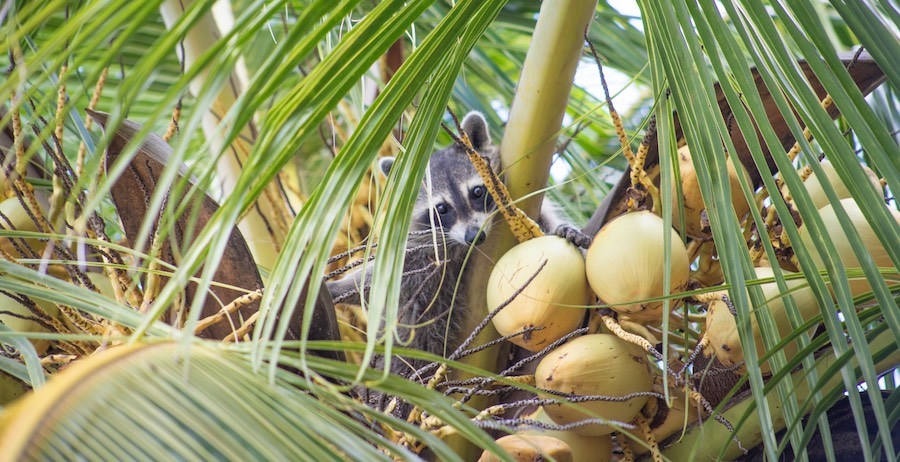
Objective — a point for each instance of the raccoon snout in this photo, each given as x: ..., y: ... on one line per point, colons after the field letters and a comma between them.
x: 474, y: 235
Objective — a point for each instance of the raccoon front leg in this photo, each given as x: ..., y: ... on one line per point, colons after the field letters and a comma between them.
x: 350, y: 289
x: 551, y: 221
x: 573, y: 235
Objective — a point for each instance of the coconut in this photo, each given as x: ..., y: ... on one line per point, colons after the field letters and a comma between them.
x: 11, y: 388
x: 529, y: 448
x: 554, y: 299
x: 625, y: 265
x: 584, y: 448
x: 813, y: 184
x: 841, y: 244
x: 693, y: 201
x: 19, y: 220
x: 597, y: 364
x: 721, y: 326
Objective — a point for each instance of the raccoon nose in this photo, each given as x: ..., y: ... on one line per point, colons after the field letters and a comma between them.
x: 474, y: 236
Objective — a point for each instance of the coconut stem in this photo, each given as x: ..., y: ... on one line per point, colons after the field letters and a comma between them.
x: 617, y: 329
x: 710, y: 296
x: 204, y: 323
x: 636, y: 162
x: 243, y: 330
x: 627, y: 453
x: 613, y: 114
x: 698, y: 398
x: 644, y: 425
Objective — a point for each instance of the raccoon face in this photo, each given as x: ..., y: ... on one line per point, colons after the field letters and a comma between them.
x: 453, y: 198
x: 462, y: 212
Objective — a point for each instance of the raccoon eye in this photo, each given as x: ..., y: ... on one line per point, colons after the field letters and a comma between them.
x: 441, y: 208
x: 478, y: 191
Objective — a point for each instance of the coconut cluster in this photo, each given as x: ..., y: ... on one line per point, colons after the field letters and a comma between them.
x: 542, y: 288
x: 637, y: 266
x: 721, y: 325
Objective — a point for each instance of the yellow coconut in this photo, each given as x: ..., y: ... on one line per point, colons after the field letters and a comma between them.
x: 19, y: 220
x: 530, y: 448
x: 721, y: 326
x: 598, y: 364
x: 11, y: 388
x: 813, y: 184
x: 551, y: 301
x: 841, y: 244
x: 693, y: 201
x: 584, y: 448
x: 626, y: 265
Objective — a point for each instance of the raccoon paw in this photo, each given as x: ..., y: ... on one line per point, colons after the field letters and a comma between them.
x: 574, y: 235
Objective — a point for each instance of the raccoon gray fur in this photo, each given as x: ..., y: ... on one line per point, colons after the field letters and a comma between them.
x: 456, y: 214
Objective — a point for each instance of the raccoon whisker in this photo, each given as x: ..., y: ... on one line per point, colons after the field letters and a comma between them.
x: 476, y: 248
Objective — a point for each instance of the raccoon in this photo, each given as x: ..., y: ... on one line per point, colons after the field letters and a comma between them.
x: 455, y: 214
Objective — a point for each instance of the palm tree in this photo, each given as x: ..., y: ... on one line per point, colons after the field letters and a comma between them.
x: 202, y: 274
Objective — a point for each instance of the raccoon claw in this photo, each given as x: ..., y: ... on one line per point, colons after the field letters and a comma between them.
x: 574, y: 236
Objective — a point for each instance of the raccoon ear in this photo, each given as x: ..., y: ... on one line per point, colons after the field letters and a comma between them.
x: 476, y: 127
x: 385, y: 164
